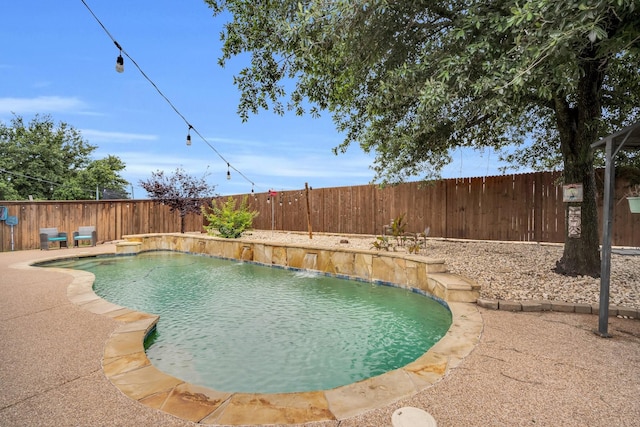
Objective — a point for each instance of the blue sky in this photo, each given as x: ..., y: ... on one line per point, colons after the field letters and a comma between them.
x: 57, y: 60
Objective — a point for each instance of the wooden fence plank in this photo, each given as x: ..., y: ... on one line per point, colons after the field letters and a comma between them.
x: 524, y: 207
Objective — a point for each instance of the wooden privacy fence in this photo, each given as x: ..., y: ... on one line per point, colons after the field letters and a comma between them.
x: 112, y: 219
x: 523, y: 207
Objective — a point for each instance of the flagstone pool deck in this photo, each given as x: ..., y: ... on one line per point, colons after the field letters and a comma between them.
x: 61, y: 358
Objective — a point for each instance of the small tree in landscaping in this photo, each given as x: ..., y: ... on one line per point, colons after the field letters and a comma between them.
x: 412, y: 242
x: 226, y: 219
x: 180, y: 191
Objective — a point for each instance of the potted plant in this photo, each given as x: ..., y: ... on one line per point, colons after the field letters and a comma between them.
x: 633, y: 197
x: 631, y: 174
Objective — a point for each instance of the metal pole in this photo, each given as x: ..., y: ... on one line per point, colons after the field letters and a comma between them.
x: 306, y: 190
x: 605, y: 263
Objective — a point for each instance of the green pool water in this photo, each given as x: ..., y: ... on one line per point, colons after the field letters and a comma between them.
x: 242, y: 327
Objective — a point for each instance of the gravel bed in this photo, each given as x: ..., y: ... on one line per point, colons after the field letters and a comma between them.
x: 511, y: 271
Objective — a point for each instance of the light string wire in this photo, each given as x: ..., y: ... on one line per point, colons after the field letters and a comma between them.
x: 57, y: 184
x: 189, y: 125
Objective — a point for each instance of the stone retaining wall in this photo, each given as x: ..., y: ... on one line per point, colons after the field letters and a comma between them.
x: 405, y: 270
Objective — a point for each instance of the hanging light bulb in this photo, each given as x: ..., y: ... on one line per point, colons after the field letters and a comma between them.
x: 120, y: 63
x: 228, y: 172
x: 120, y: 59
x: 189, y: 136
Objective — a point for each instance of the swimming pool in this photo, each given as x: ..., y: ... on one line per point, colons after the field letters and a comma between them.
x: 243, y: 327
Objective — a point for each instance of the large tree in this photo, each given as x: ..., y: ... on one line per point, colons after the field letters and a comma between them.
x: 52, y: 162
x: 100, y: 175
x: 413, y: 80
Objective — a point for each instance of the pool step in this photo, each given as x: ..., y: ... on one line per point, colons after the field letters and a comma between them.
x: 128, y: 248
x: 453, y: 287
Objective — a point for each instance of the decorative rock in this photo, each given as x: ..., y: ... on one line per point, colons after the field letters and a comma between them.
x: 531, y: 306
x: 628, y: 312
x: 544, y: 305
x: 501, y: 272
x: 510, y: 305
x: 490, y: 304
x: 563, y: 306
x: 613, y: 310
x: 583, y: 308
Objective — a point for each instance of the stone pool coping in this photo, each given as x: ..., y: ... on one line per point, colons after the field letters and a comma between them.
x: 405, y: 270
x: 125, y: 364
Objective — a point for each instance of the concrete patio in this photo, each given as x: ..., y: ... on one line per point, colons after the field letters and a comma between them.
x: 541, y: 368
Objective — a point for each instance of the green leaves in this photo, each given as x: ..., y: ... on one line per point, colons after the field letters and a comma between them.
x: 52, y: 161
x: 228, y: 221
x: 410, y: 81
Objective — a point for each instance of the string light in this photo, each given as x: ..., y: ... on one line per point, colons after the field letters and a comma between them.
x: 270, y: 194
x: 119, y: 59
x: 120, y: 68
x: 120, y: 64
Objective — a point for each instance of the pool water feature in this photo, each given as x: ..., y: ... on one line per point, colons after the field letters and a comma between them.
x: 243, y: 327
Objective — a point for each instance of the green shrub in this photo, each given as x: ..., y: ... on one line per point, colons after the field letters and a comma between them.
x: 228, y: 221
x: 382, y: 242
x: 411, y: 242
x: 398, y: 227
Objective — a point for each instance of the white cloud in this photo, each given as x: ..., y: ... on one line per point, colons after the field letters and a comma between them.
x: 41, y: 84
x: 41, y: 104
x: 143, y: 163
x: 116, y: 137
x: 328, y: 166
x: 246, y: 143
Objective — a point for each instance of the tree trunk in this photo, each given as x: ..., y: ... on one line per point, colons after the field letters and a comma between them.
x: 581, y: 254
x: 578, y: 128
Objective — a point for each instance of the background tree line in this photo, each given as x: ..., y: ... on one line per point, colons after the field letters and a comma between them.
x: 49, y: 161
